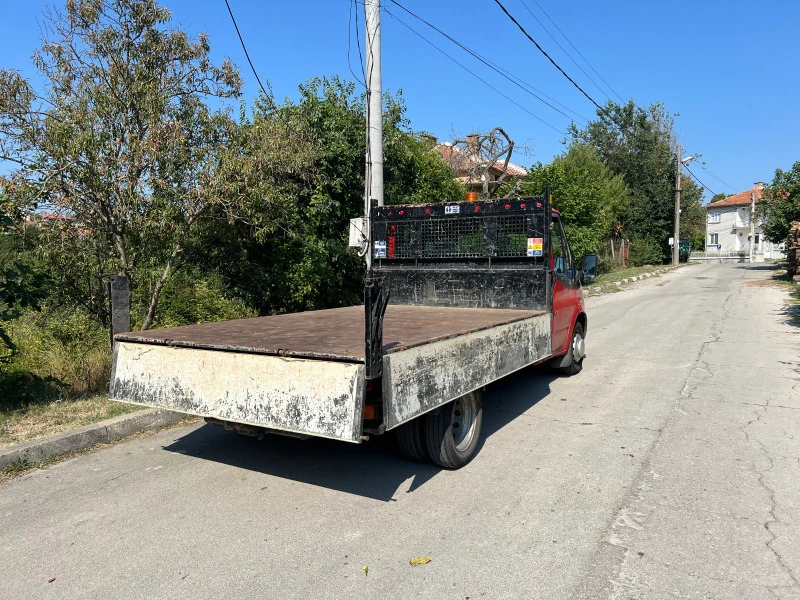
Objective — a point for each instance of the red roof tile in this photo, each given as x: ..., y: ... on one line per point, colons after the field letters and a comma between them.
x: 740, y: 199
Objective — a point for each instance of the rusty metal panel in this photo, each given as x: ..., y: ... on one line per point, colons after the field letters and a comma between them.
x: 422, y: 378
x: 313, y: 397
x: 333, y: 334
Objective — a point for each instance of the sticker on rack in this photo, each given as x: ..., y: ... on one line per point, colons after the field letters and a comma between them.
x: 452, y: 210
x: 535, y: 246
x: 380, y: 249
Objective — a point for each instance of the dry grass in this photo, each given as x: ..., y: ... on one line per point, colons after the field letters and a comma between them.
x: 37, y: 421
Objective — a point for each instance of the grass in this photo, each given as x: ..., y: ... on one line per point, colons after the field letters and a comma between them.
x: 38, y: 420
x: 605, y: 279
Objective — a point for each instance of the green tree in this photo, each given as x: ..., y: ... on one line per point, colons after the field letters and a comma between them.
x: 638, y: 144
x: 718, y: 197
x: 298, y: 257
x: 586, y: 193
x: 22, y: 286
x: 120, y: 143
x: 782, y: 204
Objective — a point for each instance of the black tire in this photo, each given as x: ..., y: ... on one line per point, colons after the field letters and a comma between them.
x: 410, y: 440
x: 575, y: 366
x: 452, y: 433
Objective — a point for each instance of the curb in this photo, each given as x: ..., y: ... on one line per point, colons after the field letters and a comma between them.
x: 103, y: 432
x: 618, y: 284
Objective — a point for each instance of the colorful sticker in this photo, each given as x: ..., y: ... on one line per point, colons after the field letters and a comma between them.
x: 380, y: 249
x: 452, y: 210
x: 535, y: 246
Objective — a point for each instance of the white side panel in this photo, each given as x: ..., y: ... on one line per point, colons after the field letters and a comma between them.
x: 313, y: 397
x: 420, y: 379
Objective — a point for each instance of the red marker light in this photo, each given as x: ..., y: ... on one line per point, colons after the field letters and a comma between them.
x: 522, y: 206
x: 427, y: 211
x: 402, y: 212
x: 477, y: 207
x: 390, y: 213
x: 394, y: 227
x: 508, y: 206
x: 538, y: 205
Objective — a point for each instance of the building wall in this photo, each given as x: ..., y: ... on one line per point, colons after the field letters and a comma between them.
x: 733, y: 231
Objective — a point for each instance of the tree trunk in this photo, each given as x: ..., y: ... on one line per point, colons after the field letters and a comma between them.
x: 156, y: 294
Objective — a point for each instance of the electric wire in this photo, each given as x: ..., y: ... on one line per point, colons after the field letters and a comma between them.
x: 710, y: 191
x: 543, y: 51
x: 350, y: 42
x: 513, y: 79
x: 718, y: 179
x: 475, y: 75
x: 549, y: 18
x: 267, y: 94
x: 564, y: 50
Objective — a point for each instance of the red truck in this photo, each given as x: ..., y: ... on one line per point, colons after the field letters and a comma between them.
x: 457, y: 295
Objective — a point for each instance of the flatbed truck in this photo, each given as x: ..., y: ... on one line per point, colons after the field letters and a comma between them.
x: 457, y: 295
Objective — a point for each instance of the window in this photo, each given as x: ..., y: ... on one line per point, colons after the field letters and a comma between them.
x: 558, y: 248
x: 757, y: 236
x: 713, y: 217
x: 713, y: 238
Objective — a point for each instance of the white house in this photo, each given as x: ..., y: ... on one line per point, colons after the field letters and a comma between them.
x: 728, y: 226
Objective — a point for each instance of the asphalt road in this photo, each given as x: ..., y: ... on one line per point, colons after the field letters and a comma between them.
x: 669, y: 468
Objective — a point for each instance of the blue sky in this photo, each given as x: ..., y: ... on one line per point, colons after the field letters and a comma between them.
x: 727, y: 67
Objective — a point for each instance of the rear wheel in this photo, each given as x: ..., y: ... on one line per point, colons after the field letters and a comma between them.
x: 410, y: 440
x: 453, y: 432
x: 577, y: 351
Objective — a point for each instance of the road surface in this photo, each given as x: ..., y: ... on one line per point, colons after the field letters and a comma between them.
x: 669, y: 468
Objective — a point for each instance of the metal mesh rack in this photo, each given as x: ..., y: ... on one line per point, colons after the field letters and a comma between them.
x: 496, y: 236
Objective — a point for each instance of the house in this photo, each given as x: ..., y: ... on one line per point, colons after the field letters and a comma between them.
x: 728, y: 227
x: 472, y: 168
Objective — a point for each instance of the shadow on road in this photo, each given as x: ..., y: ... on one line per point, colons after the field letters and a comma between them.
x: 374, y: 469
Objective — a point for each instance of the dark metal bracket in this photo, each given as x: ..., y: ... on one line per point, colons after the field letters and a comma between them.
x: 376, y: 299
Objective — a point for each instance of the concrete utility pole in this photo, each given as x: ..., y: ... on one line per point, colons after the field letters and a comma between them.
x: 675, y: 239
x: 752, y: 224
x: 373, y: 188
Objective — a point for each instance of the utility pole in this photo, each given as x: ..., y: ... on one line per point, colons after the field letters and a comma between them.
x: 752, y: 223
x: 675, y: 239
x: 373, y: 188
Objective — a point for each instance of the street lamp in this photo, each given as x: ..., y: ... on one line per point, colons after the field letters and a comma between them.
x: 676, y: 238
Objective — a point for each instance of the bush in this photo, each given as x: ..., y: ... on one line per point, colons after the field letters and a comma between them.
x: 61, y: 353
x: 187, y: 299
x: 644, y: 252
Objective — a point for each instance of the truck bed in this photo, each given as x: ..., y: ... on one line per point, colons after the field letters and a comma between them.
x: 304, y: 373
x: 333, y: 334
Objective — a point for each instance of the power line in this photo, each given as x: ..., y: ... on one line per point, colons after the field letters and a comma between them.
x: 350, y: 42
x: 267, y: 94
x: 718, y: 179
x: 549, y: 18
x: 710, y: 191
x: 552, y: 37
x: 358, y: 43
x: 542, y: 50
x: 476, y: 76
x: 515, y: 80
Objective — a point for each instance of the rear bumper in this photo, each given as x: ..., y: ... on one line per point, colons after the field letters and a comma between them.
x: 301, y: 396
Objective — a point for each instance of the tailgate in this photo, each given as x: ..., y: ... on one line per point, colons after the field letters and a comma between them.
x: 306, y: 396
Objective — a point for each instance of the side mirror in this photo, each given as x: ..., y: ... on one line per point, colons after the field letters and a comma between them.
x: 589, y: 268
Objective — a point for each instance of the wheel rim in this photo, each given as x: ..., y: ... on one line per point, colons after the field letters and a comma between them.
x: 465, y: 411
x: 578, y: 347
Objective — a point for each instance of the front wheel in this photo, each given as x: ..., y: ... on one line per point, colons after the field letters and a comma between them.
x: 452, y: 433
x: 577, y: 351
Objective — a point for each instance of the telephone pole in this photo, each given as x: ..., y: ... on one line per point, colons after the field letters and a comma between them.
x: 373, y: 184
x: 752, y: 224
x: 675, y: 239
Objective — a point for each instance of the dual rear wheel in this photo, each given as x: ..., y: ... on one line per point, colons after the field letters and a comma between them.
x: 448, y: 436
